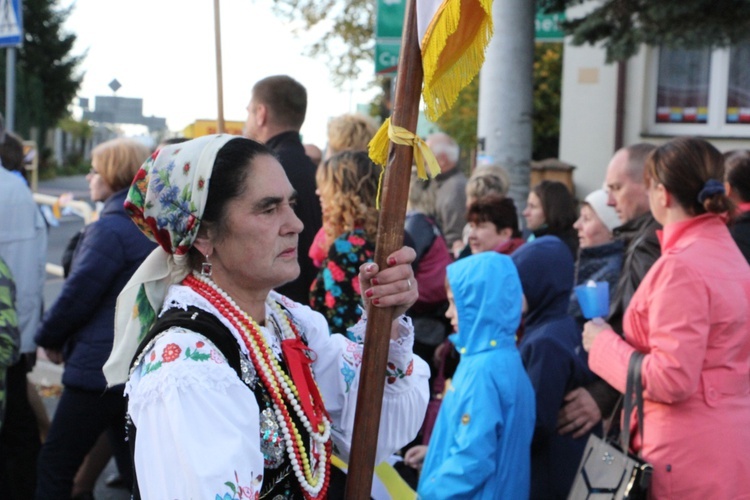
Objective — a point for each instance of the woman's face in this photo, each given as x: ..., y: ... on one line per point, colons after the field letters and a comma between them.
x: 484, y: 236
x: 533, y: 212
x: 258, y: 248
x: 591, y: 230
x: 99, y: 189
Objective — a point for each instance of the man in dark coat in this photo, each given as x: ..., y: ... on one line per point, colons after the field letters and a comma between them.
x: 628, y: 194
x: 274, y: 117
x: 737, y: 184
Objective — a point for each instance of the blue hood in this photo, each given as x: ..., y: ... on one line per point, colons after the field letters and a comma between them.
x: 546, y: 269
x: 488, y: 299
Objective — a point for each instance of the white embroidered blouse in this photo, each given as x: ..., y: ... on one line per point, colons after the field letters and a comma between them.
x: 199, y: 425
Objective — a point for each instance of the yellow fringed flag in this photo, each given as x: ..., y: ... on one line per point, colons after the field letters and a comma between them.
x: 453, y: 35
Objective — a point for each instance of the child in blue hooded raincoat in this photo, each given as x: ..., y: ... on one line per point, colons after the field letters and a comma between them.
x: 480, y: 446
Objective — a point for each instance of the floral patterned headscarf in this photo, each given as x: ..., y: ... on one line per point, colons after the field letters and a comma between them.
x: 166, y: 201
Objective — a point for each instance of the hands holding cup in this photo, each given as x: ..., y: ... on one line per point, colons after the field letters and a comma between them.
x: 591, y: 330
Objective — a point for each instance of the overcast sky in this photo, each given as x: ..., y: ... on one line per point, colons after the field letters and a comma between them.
x: 163, y: 51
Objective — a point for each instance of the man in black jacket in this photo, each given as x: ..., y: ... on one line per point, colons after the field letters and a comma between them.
x: 737, y: 184
x: 628, y: 194
x: 274, y: 117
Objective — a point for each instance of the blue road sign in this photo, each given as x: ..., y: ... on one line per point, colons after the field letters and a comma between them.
x: 11, y: 23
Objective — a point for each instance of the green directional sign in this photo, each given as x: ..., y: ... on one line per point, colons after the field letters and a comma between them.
x: 386, y: 55
x: 548, y: 27
x: 390, y: 18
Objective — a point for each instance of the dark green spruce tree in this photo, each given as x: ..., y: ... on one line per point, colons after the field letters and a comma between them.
x: 46, y: 72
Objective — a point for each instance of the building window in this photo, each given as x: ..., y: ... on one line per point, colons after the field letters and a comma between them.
x: 702, y: 92
x: 738, y: 92
x: 683, y: 85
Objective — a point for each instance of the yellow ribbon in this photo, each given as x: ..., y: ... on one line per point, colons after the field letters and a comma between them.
x: 403, y: 137
x: 422, y: 152
x: 398, y: 135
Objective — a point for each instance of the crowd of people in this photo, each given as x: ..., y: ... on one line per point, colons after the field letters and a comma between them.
x: 212, y: 319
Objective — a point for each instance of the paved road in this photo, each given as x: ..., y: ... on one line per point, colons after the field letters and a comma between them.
x: 46, y: 374
x: 58, y: 237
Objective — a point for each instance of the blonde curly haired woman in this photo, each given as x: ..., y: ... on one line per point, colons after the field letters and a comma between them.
x: 349, y: 132
x: 347, y: 187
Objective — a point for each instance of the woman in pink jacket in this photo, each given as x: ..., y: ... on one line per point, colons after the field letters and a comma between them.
x: 691, y: 318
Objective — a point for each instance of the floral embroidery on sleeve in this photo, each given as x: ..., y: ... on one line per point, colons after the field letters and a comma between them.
x: 239, y: 492
x: 351, y: 359
x: 198, y: 352
x: 393, y: 372
x: 170, y: 353
x: 335, y: 292
x: 348, y: 374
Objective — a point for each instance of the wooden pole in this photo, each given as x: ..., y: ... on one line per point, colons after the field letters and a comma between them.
x: 219, y: 79
x: 390, y: 238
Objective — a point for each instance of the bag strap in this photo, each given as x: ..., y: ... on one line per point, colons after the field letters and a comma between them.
x: 199, y: 321
x: 610, y: 421
x: 633, y: 394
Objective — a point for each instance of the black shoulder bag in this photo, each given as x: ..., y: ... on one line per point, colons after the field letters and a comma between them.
x: 607, y: 470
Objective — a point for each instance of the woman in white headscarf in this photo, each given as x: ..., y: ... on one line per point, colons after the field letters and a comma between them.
x: 262, y: 416
x: 600, y: 255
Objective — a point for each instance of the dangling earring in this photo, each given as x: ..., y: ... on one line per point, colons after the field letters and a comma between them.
x: 206, y: 268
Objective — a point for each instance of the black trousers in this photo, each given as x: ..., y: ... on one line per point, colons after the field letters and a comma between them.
x: 19, y: 438
x: 81, y: 416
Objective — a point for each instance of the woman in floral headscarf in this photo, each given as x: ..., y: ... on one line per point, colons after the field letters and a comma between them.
x: 221, y: 209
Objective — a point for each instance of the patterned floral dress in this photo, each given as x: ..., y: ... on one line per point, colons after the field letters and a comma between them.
x: 335, y: 291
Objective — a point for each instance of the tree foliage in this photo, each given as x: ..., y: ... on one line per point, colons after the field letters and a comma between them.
x: 624, y: 25
x: 547, y: 97
x: 347, y: 32
x: 460, y: 122
x: 46, y: 78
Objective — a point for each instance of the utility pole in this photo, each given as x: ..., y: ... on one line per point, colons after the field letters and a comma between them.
x: 219, y: 78
x: 11, y: 38
x: 506, y: 94
x: 10, y: 86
